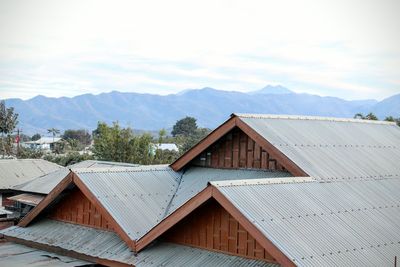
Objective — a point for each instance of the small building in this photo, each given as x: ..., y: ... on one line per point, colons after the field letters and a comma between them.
x: 44, y: 143
x: 260, y: 190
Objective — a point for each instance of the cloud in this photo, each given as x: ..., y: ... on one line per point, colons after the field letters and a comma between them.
x: 339, y: 48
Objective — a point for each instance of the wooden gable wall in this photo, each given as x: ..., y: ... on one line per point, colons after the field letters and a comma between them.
x: 212, y: 227
x: 236, y: 150
x: 76, y: 208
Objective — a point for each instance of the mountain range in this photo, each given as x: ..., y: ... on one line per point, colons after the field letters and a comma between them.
x: 210, y: 106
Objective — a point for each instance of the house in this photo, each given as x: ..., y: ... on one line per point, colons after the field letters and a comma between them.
x: 260, y: 190
x: 44, y: 143
x: 14, y: 172
x: 166, y: 146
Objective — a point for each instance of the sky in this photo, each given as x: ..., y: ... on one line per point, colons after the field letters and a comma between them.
x: 342, y: 48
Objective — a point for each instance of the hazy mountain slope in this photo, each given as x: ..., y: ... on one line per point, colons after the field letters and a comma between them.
x: 209, y: 106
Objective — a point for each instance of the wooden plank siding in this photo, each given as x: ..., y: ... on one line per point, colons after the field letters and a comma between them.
x: 211, y: 227
x: 76, y: 208
x: 236, y: 150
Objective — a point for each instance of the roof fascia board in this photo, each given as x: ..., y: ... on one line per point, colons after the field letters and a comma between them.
x: 272, y: 150
x: 92, y: 198
x: 174, y: 218
x: 60, y: 187
x: 252, y: 229
x: 211, y: 138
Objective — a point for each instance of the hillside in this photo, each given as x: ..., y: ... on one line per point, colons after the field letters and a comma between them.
x: 209, y: 106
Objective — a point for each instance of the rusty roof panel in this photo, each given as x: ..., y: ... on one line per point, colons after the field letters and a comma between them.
x: 29, y: 199
x: 342, y: 223
x: 331, y: 149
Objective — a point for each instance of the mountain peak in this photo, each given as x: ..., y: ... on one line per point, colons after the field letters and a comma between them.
x: 273, y: 90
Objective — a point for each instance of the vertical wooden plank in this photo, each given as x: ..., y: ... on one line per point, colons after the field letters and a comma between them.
x: 228, y: 151
x: 259, y: 251
x: 217, y: 229
x: 242, y: 241
x: 250, y: 149
x: 264, y: 159
x: 235, y: 149
x: 257, y: 156
x: 221, y: 153
x: 232, y: 242
x: 202, y: 229
x: 79, y: 215
x: 86, y: 212
x: 91, y: 214
x: 272, y: 164
x: 224, y: 230
x: 210, y: 229
x: 243, y: 150
x: 214, y: 156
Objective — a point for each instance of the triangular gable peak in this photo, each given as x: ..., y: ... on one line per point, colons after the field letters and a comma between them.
x: 71, y: 201
x: 211, y: 227
x: 195, y: 217
x: 236, y: 145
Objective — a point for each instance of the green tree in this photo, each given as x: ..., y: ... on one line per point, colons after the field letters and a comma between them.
x: 114, y: 143
x: 82, y: 136
x: 370, y: 116
x: 161, y: 135
x: 8, y: 122
x: 36, y: 137
x: 54, y: 132
x: 184, y: 127
x: 392, y: 119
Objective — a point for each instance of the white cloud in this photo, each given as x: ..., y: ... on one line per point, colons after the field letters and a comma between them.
x: 342, y: 48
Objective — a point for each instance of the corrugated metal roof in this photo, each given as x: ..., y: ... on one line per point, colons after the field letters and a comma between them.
x: 12, y: 254
x: 44, y: 184
x: 18, y: 171
x: 330, y: 148
x: 137, y: 198
x: 107, y: 245
x: 195, y: 179
x: 343, y: 223
x: 101, y: 164
x: 29, y: 199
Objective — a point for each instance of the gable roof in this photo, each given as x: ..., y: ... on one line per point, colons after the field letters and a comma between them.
x: 325, y: 148
x: 346, y: 223
x: 18, y: 171
x: 107, y: 248
x: 331, y: 148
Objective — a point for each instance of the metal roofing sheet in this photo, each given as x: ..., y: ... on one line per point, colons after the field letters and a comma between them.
x: 107, y: 245
x: 137, y: 198
x: 195, y: 179
x: 18, y: 171
x: 12, y: 254
x: 331, y: 149
x: 29, y: 199
x: 346, y: 223
x: 101, y: 164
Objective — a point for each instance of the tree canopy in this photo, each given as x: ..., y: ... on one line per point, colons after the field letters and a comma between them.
x: 8, y: 122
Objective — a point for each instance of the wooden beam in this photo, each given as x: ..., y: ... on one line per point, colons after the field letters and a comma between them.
x: 92, y: 198
x: 271, y: 149
x: 204, y: 144
x: 64, y: 252
x: 60, y: 187
x: 174, y: 218
x: 280, y: 257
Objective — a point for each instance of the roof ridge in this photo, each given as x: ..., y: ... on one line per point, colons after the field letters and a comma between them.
x: 263, y: 181
x: 302, y: 117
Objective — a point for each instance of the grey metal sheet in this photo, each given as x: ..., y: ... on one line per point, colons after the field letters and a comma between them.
x: 342, y: 223
x: 101, y: 164
x: 29, y: 199
x: 137, y: 198
x: 43, y: 184
x: 195, y: 179
x: 18, y: 171
x: 107, y: 245
x: 12, y: 254
x: 331, y: 149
